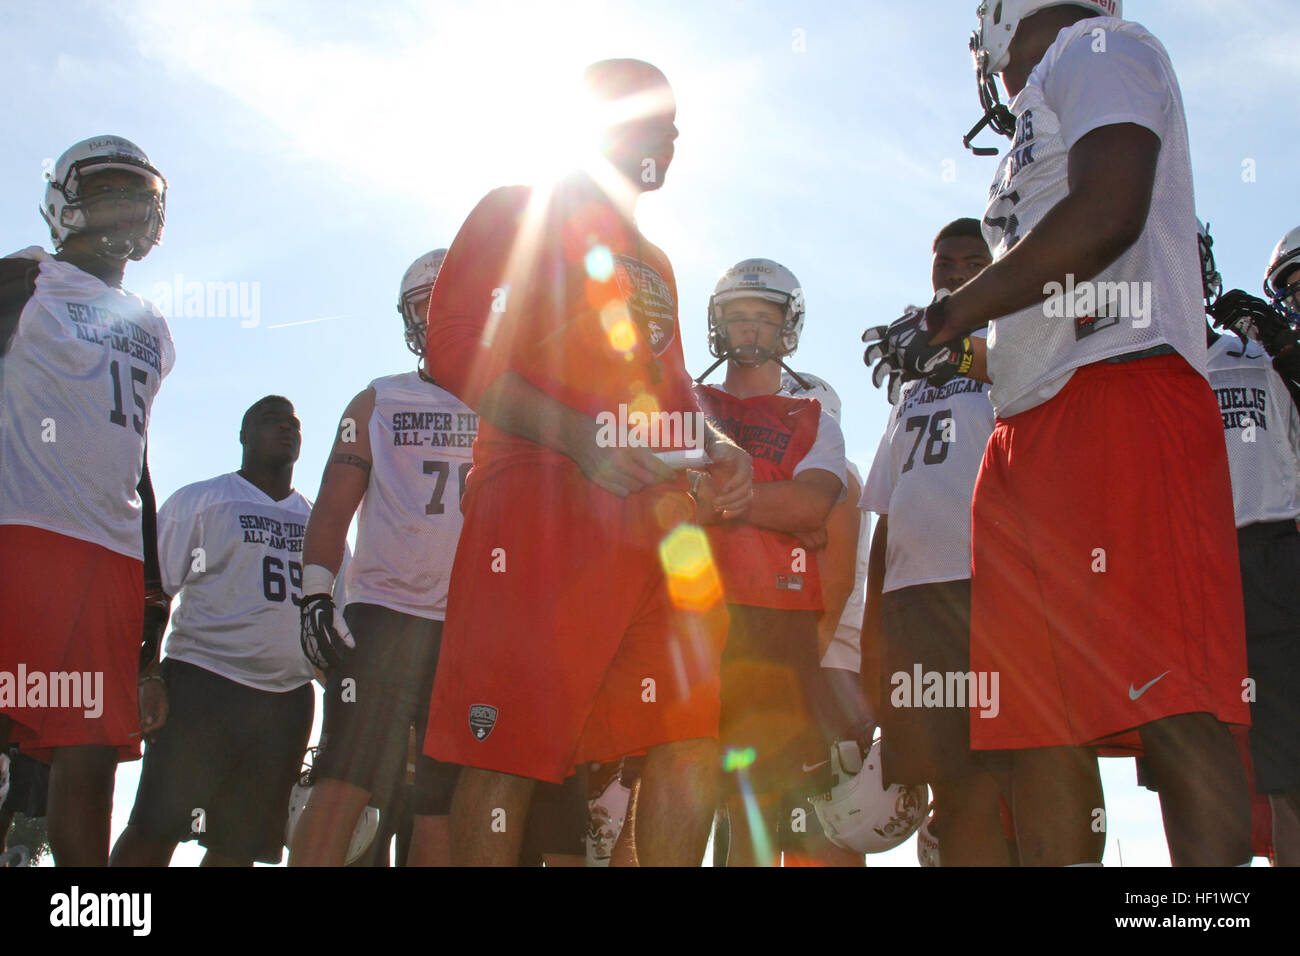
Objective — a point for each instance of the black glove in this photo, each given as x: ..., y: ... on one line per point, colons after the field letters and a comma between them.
x: 324, y: 635
x: 901, y: 351
x: 1253, y: 318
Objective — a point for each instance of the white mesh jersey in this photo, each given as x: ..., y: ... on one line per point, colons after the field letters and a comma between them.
x: 845, y: 650
x: 76, y: 386
x: 923, y: 478
x: 234, y: 556
x: 421, y: 441
x: 1100, y: 72
x: 1261, y: 429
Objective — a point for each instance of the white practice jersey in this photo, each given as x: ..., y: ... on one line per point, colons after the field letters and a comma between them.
x: 845, y: 649
x: 78, y: 382
x: 1261, y: 429
x: 1100, y: 72
x: 923, y: 478
x: 421, y: 441
x: 234, y: 556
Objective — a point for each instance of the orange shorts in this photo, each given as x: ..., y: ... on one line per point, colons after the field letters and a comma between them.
x: 1104, y: 559
x: 71, y: 615
x: 561, y: 644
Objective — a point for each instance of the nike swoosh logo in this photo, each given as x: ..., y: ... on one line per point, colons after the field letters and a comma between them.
x: 1135, y: 694
x: 808, y: 769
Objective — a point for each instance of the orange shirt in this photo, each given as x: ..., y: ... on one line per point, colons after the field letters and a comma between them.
x: 567, y: 294
x: 761, y: 567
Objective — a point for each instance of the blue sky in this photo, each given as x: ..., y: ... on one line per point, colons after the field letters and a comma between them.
x: 313, y: 150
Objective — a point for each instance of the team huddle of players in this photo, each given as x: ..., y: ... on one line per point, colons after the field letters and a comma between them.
x: 559, y: 641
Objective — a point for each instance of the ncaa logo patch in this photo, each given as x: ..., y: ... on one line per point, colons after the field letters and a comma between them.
x: 482, y: 718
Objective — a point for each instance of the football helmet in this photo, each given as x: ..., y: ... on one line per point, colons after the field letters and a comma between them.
x: 860, y: 814
x: 756, y: 279
x: 990, y: 45
x: 927, y: 844
x: 362, y: 835
x: 1286, y: 256
x: 140, y: 214
x: 417, y: 284
x: 805, y: 385
x: 1211, y: 281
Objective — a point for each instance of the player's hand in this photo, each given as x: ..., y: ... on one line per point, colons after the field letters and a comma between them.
x: 813, y: 540
x: 324, y: 634
x: 732, y: 479
x: 901, y: 351
x: 152, y: 703
x: 1253, y: 318
x: 622, y: 471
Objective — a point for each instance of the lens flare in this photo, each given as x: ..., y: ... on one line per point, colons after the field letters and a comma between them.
x: 693, y: 581
x: 618, y: 325
x: 599, y: 263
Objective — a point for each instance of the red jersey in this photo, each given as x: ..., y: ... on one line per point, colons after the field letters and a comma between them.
x: 567, y: 293
x: 761, y: 567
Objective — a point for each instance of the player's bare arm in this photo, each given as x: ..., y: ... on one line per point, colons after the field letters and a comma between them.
x: 515, y: 405
x: 838, y: 562
x: 871, y: 613
x: 802, y: 504
x: 347, y: 475
x: 1111, y: 176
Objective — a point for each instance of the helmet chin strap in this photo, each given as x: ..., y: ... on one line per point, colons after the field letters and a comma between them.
x: 751, y: 356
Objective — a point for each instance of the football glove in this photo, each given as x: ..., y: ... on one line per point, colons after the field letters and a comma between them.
x: 901, y: 353
x: 324, y: 634
x: 1253, y: 318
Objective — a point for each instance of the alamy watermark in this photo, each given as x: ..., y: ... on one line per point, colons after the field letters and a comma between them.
x: 39, y: 689
x: 625, y: 429
x: 209, y: 300
x: 959, y: 689
x: 1099, y: 303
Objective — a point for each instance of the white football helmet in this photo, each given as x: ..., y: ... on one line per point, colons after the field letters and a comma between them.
x: 1211, y: 281
x: 927, y: 844
x: 1286, y: 256
x: 812, y: 387
x: 990, y: 44
x: 64, y: 210
x: 362, y: 835
x: 417, y: 284
x: 860, y: 814
x: 757, y: 279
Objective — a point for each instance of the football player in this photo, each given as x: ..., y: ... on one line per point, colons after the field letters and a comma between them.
x: 233, y: 695
x: 555, y: 319
x: 1262, y: 431
x: 841, y: 544
x: 920, y: 485
x: 774, y: 741
x: 401, y: 455
x: 81, y: 362
x: 1096, y: 559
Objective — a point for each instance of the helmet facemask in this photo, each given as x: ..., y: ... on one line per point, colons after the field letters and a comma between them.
x: 134, y: 224
x: 415, y: 316
x: 996, y: 115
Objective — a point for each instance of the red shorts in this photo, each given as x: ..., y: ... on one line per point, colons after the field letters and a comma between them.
x: 71, y: 618
x: 561, y: 644
x: 1104, y: 559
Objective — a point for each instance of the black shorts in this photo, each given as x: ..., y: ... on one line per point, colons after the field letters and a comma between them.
x: 926, y: 625
x: 557, y: 820
x: 29, y: 785
x: 221, y: 768
x: 1270, y: 582
x: 366, y: 732
x: 772, y: 732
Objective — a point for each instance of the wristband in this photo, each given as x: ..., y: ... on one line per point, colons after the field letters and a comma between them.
x: 317, y: 579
